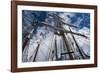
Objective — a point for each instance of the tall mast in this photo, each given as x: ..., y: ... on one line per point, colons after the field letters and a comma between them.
x: 58, y: 23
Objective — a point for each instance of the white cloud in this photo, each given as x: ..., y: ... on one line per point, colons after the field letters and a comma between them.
x: 65, y: 17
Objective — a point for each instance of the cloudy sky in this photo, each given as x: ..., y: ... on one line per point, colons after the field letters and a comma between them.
x: 81, y: 20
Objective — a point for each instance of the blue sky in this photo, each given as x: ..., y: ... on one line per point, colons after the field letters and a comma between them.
x: 86, y: 19
x: 42, y: 15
